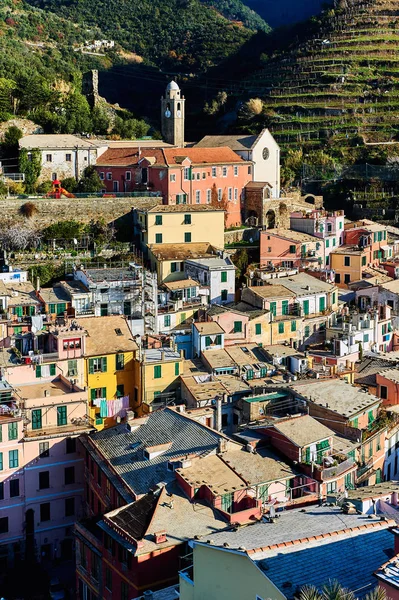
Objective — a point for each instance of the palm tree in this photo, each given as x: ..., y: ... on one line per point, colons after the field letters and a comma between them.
x: 334, y: 591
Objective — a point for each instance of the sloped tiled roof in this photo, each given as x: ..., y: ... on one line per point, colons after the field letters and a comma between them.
x: 200, y: 156
x: 129, y: 157
x: 303, y: 431
x: 124, y: 449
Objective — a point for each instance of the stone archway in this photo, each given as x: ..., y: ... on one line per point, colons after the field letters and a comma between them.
x: 270, y: 219
x: 310, y: 199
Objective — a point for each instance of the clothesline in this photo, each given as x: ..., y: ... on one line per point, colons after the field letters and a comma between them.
x: 112, y: 408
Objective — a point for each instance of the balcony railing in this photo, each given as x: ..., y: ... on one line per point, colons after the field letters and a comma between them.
x: 330, y: 472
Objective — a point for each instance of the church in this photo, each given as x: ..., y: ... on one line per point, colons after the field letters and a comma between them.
x: 223, y: 170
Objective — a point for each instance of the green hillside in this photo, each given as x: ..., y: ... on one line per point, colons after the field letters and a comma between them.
x: 178, y: 34
x: 337, y: 85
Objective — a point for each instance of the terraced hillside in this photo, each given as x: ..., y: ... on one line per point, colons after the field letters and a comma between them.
x: 340, y: 85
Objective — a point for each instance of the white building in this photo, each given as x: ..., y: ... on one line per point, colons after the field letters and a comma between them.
x: 63, y: 155
x: 216, y: 273
x: 261, y: 149
x: 207, y: 336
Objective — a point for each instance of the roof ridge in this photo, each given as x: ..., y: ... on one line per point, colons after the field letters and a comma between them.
x: 383, y: 524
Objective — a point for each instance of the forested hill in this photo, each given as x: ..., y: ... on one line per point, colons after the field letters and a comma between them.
x: 185, y: 35
x: 285, y: 12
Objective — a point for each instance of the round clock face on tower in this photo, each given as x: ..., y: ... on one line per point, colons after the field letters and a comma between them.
x: 178, y: 113
x: 167, y: 113
x: 265, y: 153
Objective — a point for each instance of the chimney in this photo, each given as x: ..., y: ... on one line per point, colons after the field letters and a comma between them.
x: 46, y: 393
x: 38, y: 284
x: 160, y: 537
x: 218, y: 413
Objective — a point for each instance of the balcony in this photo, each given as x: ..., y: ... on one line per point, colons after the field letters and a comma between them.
x: 176, y: 305
x: 335, y: 471
x: 324, y: 473
x: 384, y: 421
x: 40, y: 358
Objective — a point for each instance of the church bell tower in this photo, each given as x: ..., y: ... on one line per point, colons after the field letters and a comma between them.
x: 172, y: 115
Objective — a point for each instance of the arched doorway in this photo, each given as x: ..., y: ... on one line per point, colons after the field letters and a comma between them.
x: 270, y: 220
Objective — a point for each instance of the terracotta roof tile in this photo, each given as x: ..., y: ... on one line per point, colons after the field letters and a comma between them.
x: 199, y: 156
x: 129, y: 157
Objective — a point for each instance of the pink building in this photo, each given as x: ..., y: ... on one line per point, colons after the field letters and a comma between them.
x: 370, y: 236
x: 180, y: 175
x: 41, y: 471
x: 290, y: 249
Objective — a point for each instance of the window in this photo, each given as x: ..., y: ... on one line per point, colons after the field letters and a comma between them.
x: 72, y: 368
x: 109, y: 176
x: 223, y: 276
x: 102, y: 175
x: 68, y: 157
x: 1, y: 461
x: 157, y: 372
x: 220, y: 194
x: 13, y: 431
x: 347, y: 278
x: 108, y: 579
x: 230, y: 194
x: 307, y: 331
x: 174, y: 267
x: 44, y: 480
x: 284, y: 307
x: 187, y: 219
x: 120, y: 390
x: 198, y: 196
x: 355, y: 422
x: 124, y: 591
x: 235, y: 171
x: 120, y: 362
x: 70, y: 445
x: 347, y: 261
x: 249, y: 170
x: 366, y: 337
x: 237, y: 326
x: 213, y: 171
x: 292, y: 249
x: 281, y: 327
x: 44, y: 451
x: 383, y: 392
x: 98, y: 365
x: 370, y: 417
x: 224, y: 171
x: 172, y: 177
x: 69, y: 507
x: 293, y: 325
x: 187, y: 173
x: 13, y: 461
x: 128, y: 175
x: 69, y: 475
x: 177, y: 369
x: 4, y: 525
x: 322, y: 304
x: 224, y: 295
x: 181, y: 198
x: 158, y: 238
x: 62, y: 418
x: 235, y: 194
x: 258, y: 328
x: 45, y: 512
x: 158, y: 219
x: 187, y: 237
x: 208, y: 196
x: 364, y: 261
x: 331, y: 487
x: 1, y: 490
x: 166, y: 321
x: 49, y: 158
x: 37, y: 419
x: 14, y: 488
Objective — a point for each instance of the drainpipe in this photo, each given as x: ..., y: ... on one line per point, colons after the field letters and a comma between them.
x: 77, y: 163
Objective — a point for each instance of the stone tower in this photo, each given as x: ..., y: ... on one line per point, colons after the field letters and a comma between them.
x: 172, y: 115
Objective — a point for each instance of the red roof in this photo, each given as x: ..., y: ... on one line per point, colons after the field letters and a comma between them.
x: 129, y: 157
x: 198, y: 156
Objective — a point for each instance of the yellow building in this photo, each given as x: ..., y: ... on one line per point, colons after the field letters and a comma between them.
x: 109, y: 368
x: 157, y: 372
x: 348, y: 263
x: 225, y: 574
x: 181, y: 224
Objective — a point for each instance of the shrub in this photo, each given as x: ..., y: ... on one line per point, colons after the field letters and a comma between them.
x: 45, y: 187
x: 28, y: 210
